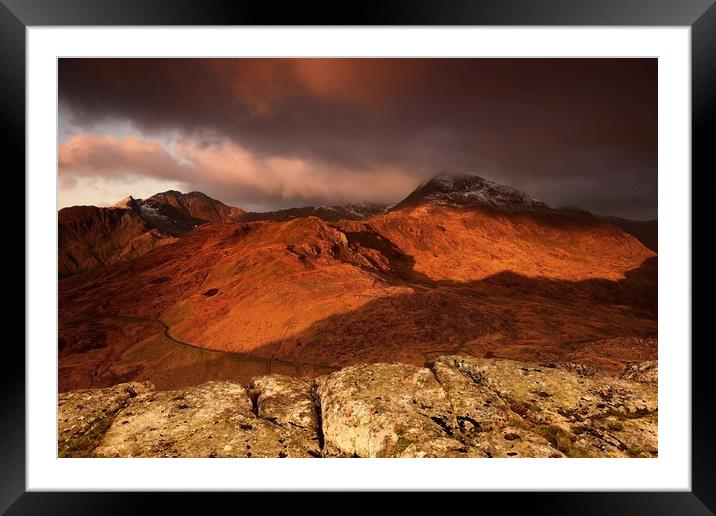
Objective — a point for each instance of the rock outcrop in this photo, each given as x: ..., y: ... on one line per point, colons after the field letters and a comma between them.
x: 90, y: 237
x: 214, y: 419
x: 386, y: 410
x: 647, y: 371
x: 83, y: 417
x: 456, y: 406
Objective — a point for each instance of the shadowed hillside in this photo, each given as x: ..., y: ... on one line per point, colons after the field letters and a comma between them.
x: 228, y: 300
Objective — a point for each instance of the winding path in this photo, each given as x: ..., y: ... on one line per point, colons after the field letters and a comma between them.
x: 247, y: 356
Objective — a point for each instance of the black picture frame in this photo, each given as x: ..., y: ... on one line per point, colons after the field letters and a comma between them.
x: 17, y: 15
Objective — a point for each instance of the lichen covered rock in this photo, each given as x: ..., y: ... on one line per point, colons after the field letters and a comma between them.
x: 387, y: 410
x: 484, y: 419
x: 647, y: 371
x: 285, y: 401
x: 456, y: 406
x: 84, y: 416
x: 215, y: 419
x: 581, y: 416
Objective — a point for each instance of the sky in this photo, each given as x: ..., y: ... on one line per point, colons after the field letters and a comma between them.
x: 265, y: 134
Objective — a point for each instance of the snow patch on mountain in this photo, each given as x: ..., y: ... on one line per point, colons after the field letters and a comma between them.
x: 361, y: 210
x: 466, y: 190
x: 150, y: 211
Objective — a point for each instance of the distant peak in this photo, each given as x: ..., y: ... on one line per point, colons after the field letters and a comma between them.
x: 176, y: 194
x: 468, y: 190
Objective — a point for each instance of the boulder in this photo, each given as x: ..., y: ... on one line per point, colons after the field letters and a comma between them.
x: 387, y: 410
x: 215, y: 419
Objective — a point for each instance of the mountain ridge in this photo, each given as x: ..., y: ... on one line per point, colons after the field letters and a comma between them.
x: 171, y: 214
x: 404, y: 285
x: 469, y: 190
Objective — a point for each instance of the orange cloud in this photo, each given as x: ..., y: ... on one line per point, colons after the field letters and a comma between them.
x: 87, y: 155
x: 368, y: 81
x: 298, y: 126
x: 228, y: 171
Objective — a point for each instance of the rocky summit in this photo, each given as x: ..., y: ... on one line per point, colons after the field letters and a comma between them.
x: 455, y: 406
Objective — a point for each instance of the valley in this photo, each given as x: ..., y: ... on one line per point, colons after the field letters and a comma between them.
x: 461, y: 266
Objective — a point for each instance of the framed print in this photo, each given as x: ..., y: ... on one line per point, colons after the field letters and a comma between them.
x: 445, y: 248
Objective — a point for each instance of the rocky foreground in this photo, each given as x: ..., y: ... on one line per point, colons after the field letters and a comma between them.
x: 457, y: 406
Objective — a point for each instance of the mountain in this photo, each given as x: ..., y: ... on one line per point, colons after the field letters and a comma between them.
x: 175, y: 213
x: 191, y: 206
x: 462, y: 265
x: 328, y: 213
x: 469, y: 191
x: 90, y: 237
x: 463, y: 228
x: 361, y: 211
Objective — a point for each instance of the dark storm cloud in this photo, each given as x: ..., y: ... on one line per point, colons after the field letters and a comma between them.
x: 571, y: 131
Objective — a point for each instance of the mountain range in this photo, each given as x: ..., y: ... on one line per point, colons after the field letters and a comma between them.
x: 181, y: 288
x: 91, y: 236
